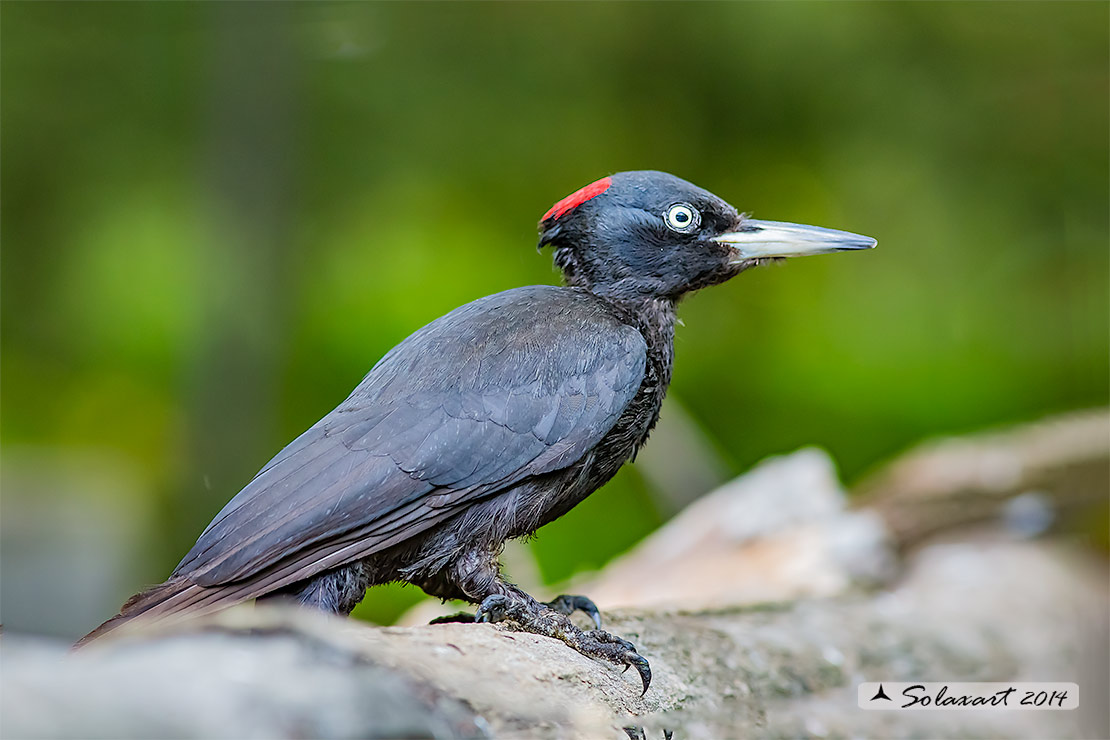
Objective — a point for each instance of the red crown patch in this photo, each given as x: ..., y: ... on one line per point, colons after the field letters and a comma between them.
x: 578, y: 197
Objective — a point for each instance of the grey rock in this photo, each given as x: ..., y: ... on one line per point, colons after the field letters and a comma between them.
x: 267, y: 682
x: 761, y: 608
x: 989, y: 610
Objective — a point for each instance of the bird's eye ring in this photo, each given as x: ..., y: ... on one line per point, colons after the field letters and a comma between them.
x: 682, y: 217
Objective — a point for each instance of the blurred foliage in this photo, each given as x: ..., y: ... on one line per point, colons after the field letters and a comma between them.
x: 217, y: 216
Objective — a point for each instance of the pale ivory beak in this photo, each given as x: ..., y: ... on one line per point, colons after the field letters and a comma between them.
x: 756, y: 239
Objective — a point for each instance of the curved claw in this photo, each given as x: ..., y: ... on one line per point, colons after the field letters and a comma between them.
x: 568, y: 604
x: 641, y: 665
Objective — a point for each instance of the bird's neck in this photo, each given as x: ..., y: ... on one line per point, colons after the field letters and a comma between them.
x: 655, y: 317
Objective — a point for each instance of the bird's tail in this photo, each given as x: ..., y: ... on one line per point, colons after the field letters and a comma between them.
x: 175, y: 595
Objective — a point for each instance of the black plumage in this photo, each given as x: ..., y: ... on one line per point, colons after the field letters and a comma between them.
x: 485, y: 424
x: 509, y: 387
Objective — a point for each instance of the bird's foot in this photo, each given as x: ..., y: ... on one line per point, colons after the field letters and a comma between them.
x: 568, y: 604
x: 551, y: 621
x: 564, y: 604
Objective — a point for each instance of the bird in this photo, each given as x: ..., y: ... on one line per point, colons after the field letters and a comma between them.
x: 488, y: 423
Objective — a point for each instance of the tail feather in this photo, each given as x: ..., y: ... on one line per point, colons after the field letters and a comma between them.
x: 174, y: 596
x: 181, y: 594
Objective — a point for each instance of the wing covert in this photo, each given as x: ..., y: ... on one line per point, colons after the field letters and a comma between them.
x: 512, y: 385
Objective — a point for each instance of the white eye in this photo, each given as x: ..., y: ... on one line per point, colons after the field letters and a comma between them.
x: 681, y: 217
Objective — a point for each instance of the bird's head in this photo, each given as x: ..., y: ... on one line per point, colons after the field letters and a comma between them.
x: 649, y: 234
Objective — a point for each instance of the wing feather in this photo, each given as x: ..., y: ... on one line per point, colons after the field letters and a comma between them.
x: 513, y: 385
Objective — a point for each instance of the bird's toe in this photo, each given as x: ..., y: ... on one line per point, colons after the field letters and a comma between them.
x: 605, y: 646
x: 609, y: 637
x: 568, y: 604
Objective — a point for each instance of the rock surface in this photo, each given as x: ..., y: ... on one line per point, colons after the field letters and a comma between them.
x: 1033, y: 476
x: 782, y: 531
x: 761, y: 609
x: 989, y: 610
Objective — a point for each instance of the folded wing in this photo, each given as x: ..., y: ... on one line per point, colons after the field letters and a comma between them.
x: 510, y: 386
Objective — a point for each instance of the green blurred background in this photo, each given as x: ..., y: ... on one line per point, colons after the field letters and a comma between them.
x: 218, y: 216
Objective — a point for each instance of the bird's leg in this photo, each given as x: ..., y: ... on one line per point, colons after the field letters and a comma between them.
x: 500, y: 601
x: 446, y: 585
x: 336, y: 591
